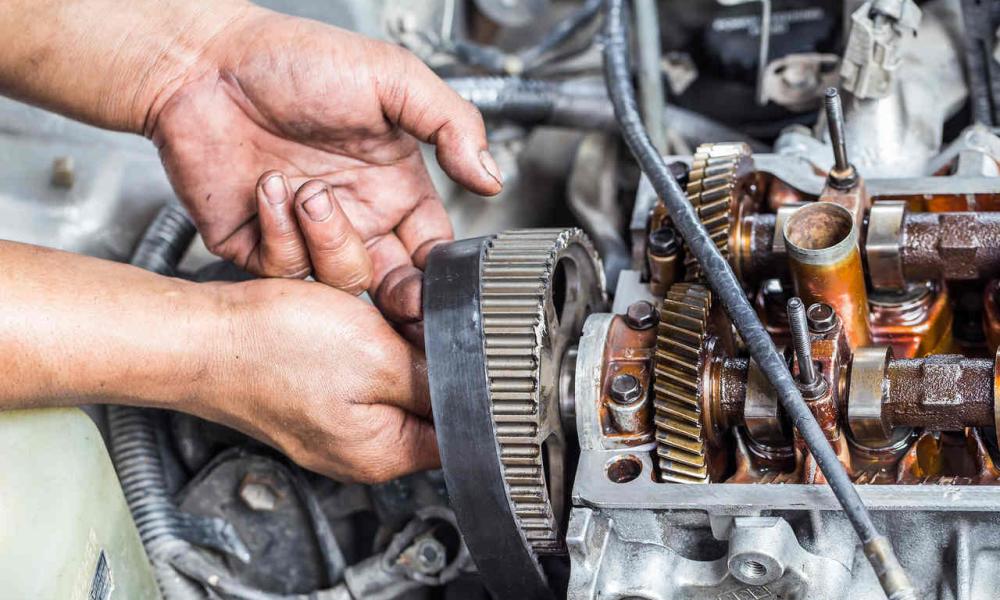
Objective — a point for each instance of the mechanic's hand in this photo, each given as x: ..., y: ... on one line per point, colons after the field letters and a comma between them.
x: 323, y: 377
x: 298, y: 100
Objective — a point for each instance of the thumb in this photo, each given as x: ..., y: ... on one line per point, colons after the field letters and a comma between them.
x: 339, y: 258
x: 424, y: 106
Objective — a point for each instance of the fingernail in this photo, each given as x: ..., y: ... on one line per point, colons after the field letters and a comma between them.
x: 490, y: 165
x: 274, y: 189
x: 318, y: 207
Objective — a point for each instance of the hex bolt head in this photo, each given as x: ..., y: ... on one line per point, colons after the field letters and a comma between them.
x: 681, y: 172
x: 427, y: 556
x: 663, y: 242
x: 641, y: 315
x: 821, y: 317
x: 626, y: 389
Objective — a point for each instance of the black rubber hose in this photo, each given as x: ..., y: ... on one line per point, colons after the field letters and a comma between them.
x: 720, y: 275
x: 537, y: 102
x: 134, y: 448
x: 488, y: 58
x: 333, y: 556
x: 560, y: 32
x: 136, y: 454
x: 576, y: 105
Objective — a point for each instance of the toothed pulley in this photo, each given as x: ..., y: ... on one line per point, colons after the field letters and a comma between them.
x: 685, y: 347
x: 501, y: 314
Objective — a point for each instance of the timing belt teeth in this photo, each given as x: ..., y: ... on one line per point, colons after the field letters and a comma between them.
x: 681, y: 337
x: 712, y: 190
x: 516, y: 274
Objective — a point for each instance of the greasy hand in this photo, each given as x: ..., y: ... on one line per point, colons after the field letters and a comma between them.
x: 320, y: 375
x: 298, y: 101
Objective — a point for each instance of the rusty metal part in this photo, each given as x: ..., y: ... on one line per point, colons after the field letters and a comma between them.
x: 631, y: 352
x: 684, y: 346
x: 874, y: 463
x: 756, y: 255
x: 663, y: 241
x: 996, y: 398
x: 721, y: 179
x: 662, y: 254
x: 843, y: 175
x: 956, y: 246
x: 762, y: 413
x: 948, y: 458
x: 626, y: 390
x: 884, y: 258
x: 629, y: 411
x: 822, y: 318
x: 775, y: 255
x: 940, y: 393
x: 822, y: 245
x: 780, y: 193
x: 915, y: 322
x: 756, y: 462
x: 991, y: 314
x: 866, y: 394
x: 953, y: 246
x: 801, y: 341
x: 663, y: 272
x: 729, y: 392
x: 641, y: 315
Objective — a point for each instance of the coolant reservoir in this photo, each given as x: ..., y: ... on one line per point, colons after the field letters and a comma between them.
x: 65, y: 529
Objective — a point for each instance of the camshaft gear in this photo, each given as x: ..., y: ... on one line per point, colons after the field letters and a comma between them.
x: 529, y: 283
x: 684, y: 343
x: 513, y: 306
x: 717, y: 184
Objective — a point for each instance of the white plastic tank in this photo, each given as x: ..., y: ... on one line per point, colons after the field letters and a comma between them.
x: 65, y: 530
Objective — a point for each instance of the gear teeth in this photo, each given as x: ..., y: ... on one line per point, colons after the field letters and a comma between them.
x: 681, y: 337
x: 516, y: 273
x: 712, y: 189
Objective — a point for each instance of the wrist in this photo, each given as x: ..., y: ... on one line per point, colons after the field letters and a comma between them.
x: 179, y: 50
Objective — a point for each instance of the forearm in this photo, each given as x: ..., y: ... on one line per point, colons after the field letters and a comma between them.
x: 105, y: 62
x: 77, y: 330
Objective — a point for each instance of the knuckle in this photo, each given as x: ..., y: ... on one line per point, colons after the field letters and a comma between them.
x: 340, y: 240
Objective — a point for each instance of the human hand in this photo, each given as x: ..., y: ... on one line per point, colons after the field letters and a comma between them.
x: 321, y: 376
x: 299, y: 101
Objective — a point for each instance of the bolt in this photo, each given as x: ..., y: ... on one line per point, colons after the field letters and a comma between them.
x: 663, y: 242
x: 641, y: 315
x: 835, y: 121
x: 429, y: 556
x: 801, y: 341
x: 681, y: 171
x: 843, y: 175
x: 821, y: 317
x: 626, y: 389
x: 260, y: 493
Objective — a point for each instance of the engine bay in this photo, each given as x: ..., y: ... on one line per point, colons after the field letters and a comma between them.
x: 610, y: 426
